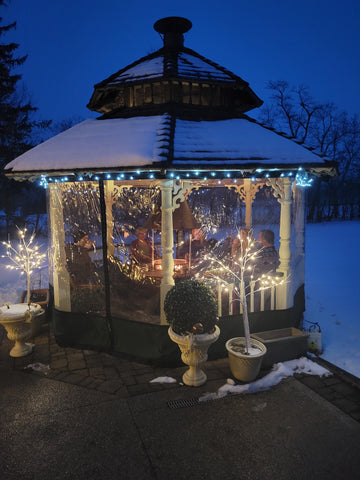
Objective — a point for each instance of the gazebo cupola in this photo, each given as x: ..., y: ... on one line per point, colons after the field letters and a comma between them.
x: 172, y: 150
x: 173, y: 79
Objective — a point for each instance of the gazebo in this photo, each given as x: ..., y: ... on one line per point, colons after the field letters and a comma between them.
x: 173, y: 150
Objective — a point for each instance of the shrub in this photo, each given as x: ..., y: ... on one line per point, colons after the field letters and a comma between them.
x: 191, y: 307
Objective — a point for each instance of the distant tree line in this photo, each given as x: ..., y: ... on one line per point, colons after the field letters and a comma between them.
x: 329, y: 132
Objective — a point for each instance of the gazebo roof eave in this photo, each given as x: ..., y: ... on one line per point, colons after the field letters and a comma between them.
x: 186, y: 171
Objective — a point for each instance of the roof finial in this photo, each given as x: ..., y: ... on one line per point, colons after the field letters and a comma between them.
x: 173, y: 29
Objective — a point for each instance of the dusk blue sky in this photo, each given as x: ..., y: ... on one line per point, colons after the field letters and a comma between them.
x: 73, y: 44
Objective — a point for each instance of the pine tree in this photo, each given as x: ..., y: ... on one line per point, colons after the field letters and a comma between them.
x: 16, y: 124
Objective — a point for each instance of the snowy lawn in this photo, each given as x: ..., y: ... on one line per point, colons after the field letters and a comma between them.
x: 332, y: 298
x: 332, y: 291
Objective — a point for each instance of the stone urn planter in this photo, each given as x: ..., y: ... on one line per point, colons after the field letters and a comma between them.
x: 17, y: 320
x: 40, y: 296
x: 245, y: 363
x: 191, y: 310
x: 194, y: 350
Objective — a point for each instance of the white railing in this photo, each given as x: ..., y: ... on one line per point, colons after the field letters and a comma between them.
x: 226, y: 294
x: 257, y: 300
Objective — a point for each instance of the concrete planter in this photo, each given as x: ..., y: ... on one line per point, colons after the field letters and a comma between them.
x: 244, y: 367
x: 282, y: 345
x: 194, y: 353
x: 17, y: 320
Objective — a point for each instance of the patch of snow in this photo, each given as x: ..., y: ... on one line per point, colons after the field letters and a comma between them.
x: 38, y: 367
x: 279, y: 371
x: 163, y: 380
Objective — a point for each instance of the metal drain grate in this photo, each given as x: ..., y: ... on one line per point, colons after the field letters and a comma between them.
x: 182, y: 403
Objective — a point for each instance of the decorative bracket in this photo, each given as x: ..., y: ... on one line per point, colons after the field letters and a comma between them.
x: 281, y: 188
x: 247, y: 190
x: 181, y: 190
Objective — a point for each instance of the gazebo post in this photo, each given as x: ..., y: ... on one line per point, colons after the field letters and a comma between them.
x: 248, y: 199
x: 108, y: 190
x: 167, y: 243
x: 61, y: 278
x: 282, y: 190
x: 299, y: 201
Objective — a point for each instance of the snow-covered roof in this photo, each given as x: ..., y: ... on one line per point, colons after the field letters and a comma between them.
x: 191, y: 66
x: 151, y: 68
x: 97, y: 144
x: 124, y: 143
x: 187, y: 65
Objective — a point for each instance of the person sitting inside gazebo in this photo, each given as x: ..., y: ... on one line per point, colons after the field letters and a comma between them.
x: 267, y: 258
x: 142, y: 251
x: 79, y: 264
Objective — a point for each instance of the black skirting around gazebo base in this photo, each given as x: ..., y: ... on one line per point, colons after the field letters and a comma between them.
x: 151, y: 343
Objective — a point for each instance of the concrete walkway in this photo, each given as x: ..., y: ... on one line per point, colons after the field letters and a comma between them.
x: 95, y: 416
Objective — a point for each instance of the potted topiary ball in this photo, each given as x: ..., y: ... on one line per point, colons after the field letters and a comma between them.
x: 191, y: 311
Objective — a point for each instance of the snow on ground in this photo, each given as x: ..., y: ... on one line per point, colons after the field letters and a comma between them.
x: 279, y: 371
x: 331, y: 290
x: 332, y: 265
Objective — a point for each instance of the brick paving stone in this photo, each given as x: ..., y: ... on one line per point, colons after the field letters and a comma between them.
x: 144, y: 378
x: 110, y: 386
x: 329, y: 381
x: 311, y: 381
x: 52, y: 373
x: 42, y: 348
x: 125, y: 367
x: 128, y: 379
x: 73, y: 378
x: 93, y: 362
x: 42, y: 340
x: 61, y: 375
x: 343, y: 388
x: 54, y: 348
x: 90, y: 352
x: 73, y: 357
x: 141, y: 367
x: 345, y: 405
x: 58, y: 354
x: 76, y: 364
x: 95, y: 383
x: 329, y: 394
x: 86, y: 381
x: 108, y: 360
x: 82, y: 371
x: 110, y: 373
x: 59, y: 364
x: 97, y: 372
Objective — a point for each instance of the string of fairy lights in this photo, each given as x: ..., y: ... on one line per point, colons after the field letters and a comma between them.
x: 301, y: 177
x: 27, y: 257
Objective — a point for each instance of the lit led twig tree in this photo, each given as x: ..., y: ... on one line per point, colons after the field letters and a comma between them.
x: 242, y: 268
x: 25, y: 258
